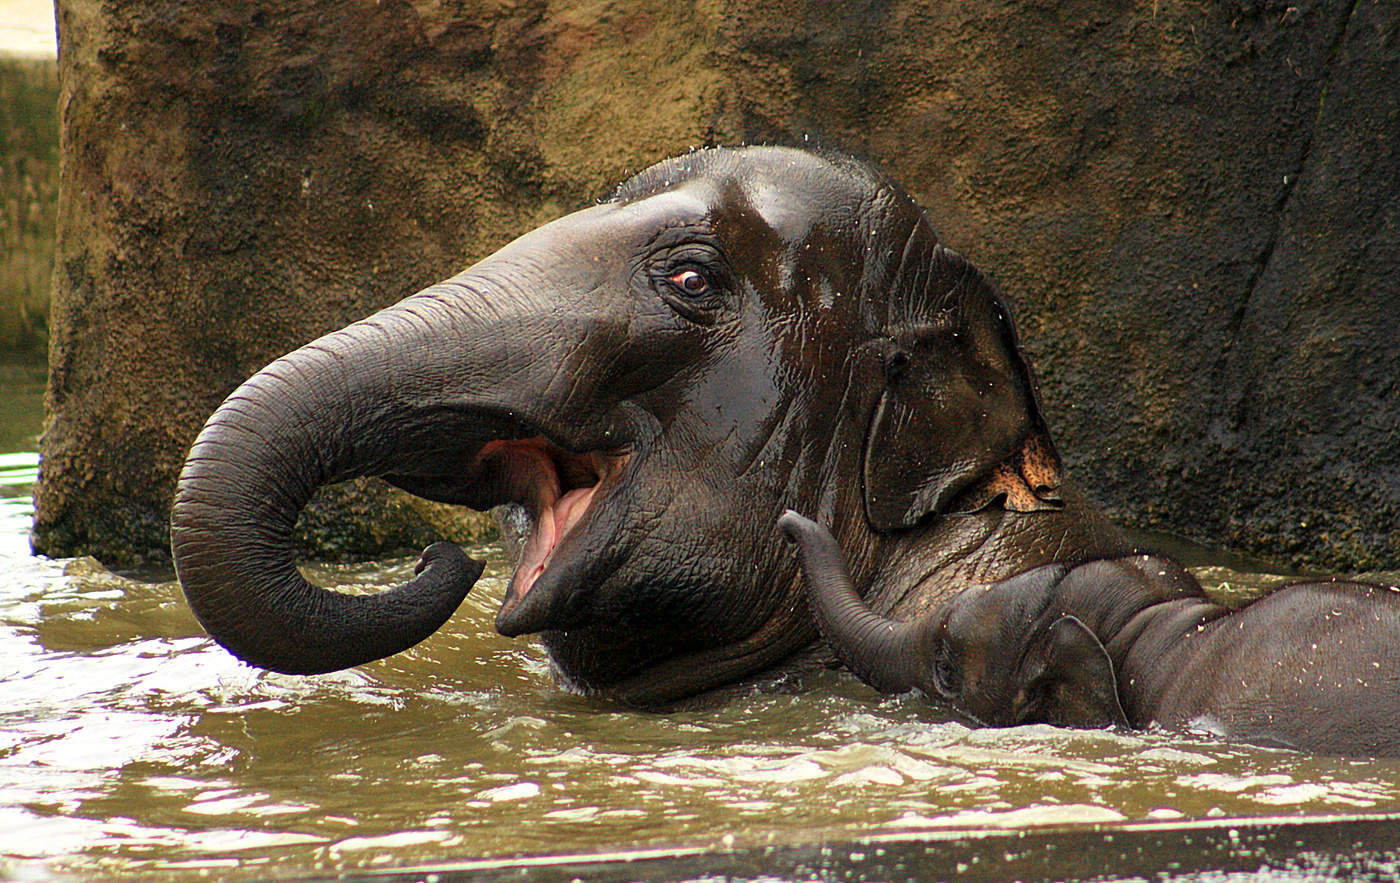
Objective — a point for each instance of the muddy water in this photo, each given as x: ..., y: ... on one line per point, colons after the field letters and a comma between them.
x: 133, y: 749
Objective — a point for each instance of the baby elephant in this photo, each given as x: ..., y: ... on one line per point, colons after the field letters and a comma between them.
x: 1132, y: 641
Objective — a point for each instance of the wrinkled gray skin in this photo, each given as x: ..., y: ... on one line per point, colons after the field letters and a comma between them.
x: 1133, y: 641
x: 651, y: 381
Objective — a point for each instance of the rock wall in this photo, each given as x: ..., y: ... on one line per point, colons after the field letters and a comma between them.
x: 1193, y: 206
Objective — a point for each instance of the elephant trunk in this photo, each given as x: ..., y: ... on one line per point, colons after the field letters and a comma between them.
x: 340, y: 407
x: 884, y: 653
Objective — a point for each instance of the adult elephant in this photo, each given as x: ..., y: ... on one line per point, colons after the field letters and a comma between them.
x: 653, y: 380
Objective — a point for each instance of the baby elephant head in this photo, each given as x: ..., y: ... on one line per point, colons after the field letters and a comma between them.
x: 1000, y: 654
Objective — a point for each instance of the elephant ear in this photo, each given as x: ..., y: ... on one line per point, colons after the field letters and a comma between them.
x: 1066, y: 679
x: 957, y: 426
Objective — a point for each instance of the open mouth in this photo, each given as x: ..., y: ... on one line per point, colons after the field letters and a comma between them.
x: 556, y: 488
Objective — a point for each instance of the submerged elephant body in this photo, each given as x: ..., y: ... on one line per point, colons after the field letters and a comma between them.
x: 1134, y: 641
x: 651, y: 380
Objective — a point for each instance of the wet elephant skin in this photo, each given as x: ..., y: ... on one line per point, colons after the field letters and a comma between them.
x: 1134, y: 641
x: 651, y: 381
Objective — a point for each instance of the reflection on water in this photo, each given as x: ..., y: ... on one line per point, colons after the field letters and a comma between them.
x: 130, y: 747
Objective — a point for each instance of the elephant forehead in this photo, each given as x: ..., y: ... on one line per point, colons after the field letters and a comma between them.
x: 1004, y: 611
x: 690, y: 203
x: 784, y: 210
x: 978, y: 614
x: 593, y: 234
x: 789, y: 212
x: 793, y: 194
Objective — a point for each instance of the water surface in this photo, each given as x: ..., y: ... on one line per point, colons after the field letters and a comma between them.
x: 131, y: 748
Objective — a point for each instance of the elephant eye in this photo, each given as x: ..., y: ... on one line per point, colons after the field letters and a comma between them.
x: 694, y: 281
x: 896, y: 365
x: 690, y: 282
x: 945, y: 671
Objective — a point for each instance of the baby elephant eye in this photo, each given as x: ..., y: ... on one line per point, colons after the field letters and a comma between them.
x: 691, y: 282
x: 946, y: 677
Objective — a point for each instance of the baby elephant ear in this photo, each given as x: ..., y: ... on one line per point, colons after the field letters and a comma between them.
x: 1067, y: 680
x: 957, y: 426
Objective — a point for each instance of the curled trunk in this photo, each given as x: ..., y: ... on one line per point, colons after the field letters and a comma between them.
x: 338, y: 408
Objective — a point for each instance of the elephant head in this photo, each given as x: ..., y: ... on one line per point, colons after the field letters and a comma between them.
x: 1002, y: 655
x: 651, y: 380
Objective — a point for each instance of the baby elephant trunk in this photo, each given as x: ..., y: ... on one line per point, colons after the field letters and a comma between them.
x: 886, y: 654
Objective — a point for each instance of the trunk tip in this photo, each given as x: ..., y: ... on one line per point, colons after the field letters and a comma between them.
x: 450, y: 564
x: 794, y: 525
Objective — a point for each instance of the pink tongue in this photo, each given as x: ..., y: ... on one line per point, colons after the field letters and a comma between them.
x: 570, y: 506
x: 537, y: 549
x: 552, y: 523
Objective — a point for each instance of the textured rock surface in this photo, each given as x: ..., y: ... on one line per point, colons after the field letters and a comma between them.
x: 1194, y: 207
